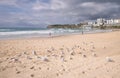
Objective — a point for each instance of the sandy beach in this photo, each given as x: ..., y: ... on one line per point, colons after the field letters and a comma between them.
x: 73, y: 56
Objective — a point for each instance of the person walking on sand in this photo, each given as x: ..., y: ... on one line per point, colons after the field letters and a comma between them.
x: 50, y: 34
x: 82, y: 32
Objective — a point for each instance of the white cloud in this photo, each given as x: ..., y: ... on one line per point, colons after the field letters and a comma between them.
x: 58, y: 4
x: 8, y: 2
x: 40, y: 6
x: 53, y: 5
x: 95, y: 8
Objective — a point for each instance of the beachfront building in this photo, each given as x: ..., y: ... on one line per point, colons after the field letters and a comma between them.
x: 104, y: 22
x: 99, y: 22
x: 113, y: 22
x: 90, y: 23
x: 117, y: 21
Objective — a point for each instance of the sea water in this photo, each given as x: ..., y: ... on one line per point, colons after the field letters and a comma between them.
x: 11, y: 33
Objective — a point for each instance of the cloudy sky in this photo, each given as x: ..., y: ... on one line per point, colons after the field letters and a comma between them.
x: 40, y: 13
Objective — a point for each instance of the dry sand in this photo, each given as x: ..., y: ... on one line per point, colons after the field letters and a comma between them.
x: 73, y: 56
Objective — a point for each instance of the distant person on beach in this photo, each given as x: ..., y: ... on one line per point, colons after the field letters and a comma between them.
x: 82, y: 32
x: 50, y: 34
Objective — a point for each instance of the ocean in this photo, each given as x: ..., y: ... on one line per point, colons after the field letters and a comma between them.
x: 12, y: 33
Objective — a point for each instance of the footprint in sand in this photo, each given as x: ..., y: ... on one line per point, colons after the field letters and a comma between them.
x: 48, y: 68
x: 93, y: 54
x: 40, y: 68
x: 63, y: 70
x: 80, y: 53
x: 71, y: 58
x: 32, y: 75
x: 84, y: 56
x: 57, y: 74
x: 83, y: 72
x: 3, y: 69
x: 18, y: 72
x: 32, y: 67
x: 93, y: 47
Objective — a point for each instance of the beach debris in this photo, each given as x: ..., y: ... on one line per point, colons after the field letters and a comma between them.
x: 62, y: 53
x: 45, y: 59
x: 61, y: 73
x: 61, y: 49
x: 92, y: 50
x: 48, y: 55
x: 91, y: 42
x: 7, y: 58
x: 86, y: 44
x: 25, y: 53
x: 34, y: 53
x: 1, y: 61
x: 62, y: 65
x: 40, y: 68
x: 62, y: 59
x: 63, y: 70
x: 62, y: 56
x: 104, y: 47
x: 71, y: 58
x: 57, y: 74
x: 14, y: 59
x: 83, y: 42
x: 72, y: 53
x: 93, y: 47
x: 38, y: 57
x: 30, y: 58
x: 18, y: 72
x: 32, y: 75
x: 108, y: 59
x: 73, y: 48
x: 83, y: 72
x: 19, y: 55
x: 83, y: 49
x: 80, y: 47
x: 84, y: 55
x: 67, y: 49
x: 93, y: 54
x: 52, y: 48
x: 32, y: 67
x: 3, y: 69
x: 63, y: 45
x: 48, y: 68
x: 54, y: 55
x: 80, y: 53
x: 48, y: 51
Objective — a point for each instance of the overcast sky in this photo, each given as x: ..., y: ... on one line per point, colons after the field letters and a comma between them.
x: 40, y: 13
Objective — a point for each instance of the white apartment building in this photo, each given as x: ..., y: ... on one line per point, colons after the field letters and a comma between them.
x: 90, y: 23
x: 111, y: 21
x: 102, y: 21
x: 117, y: 21
x: 99, y: 22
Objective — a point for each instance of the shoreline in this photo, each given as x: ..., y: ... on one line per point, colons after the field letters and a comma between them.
x: 54, y: 36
